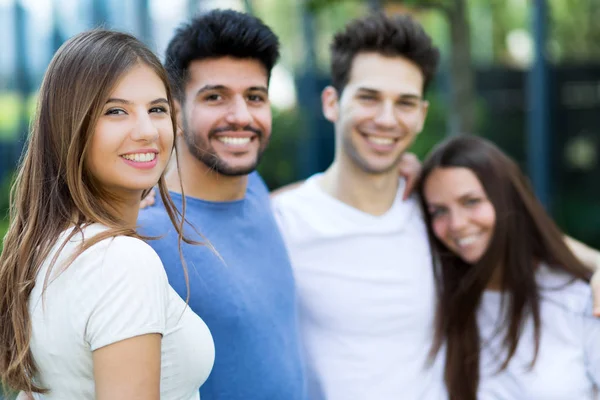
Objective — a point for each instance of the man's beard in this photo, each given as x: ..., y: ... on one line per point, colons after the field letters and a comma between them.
x: 204, y: 152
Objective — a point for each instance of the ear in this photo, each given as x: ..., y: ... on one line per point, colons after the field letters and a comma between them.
x: 424, y: 111
x: 330, y: 103
x: 178, y: 117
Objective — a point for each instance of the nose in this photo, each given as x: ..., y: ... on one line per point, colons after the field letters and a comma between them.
x: 386, y: 117
x: 458, y: 220
x: 239, y: 114
x: 145, y: 129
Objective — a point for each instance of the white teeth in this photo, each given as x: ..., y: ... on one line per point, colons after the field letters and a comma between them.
x: 236, y: 141
x: 380, y: 140
x: 140, y: 157
x: 466, y: 240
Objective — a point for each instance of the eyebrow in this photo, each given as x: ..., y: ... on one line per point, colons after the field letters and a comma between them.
x: 160, y: 100
x: 207, y: 88
x: 406, y: 96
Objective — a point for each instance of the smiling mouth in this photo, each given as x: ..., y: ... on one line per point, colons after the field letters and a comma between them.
x: 467, y: 240
x: 234, y: 141
x: 382, y: 141
x: 140, y: 157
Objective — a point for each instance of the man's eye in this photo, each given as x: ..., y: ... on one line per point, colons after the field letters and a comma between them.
x: 256, y: 98
x: 367, y: 97
x: 408, y: 104
x: 213, y: 97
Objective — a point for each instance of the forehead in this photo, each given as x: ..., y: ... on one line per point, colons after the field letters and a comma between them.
x: 233, y: 73
x: 394, y: 75
x: 450, y: 184
x: 139, y: 81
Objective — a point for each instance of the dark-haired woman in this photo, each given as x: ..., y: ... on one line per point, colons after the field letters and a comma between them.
x: 515, y: 307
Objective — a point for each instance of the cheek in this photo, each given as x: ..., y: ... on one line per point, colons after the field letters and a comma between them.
x: 413, y: 121
x: 101, y: 142
x: 167, y: 136
x: 486, y: 216
x: 263, y: 118
x: 201, y: 119
x: 439, y: 228
x: 354, y: 115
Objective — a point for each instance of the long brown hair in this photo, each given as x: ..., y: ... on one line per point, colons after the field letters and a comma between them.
x: 524, y: 235
x: 53, y: 188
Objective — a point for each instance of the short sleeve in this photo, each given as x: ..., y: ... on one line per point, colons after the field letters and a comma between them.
x: 591, y: 334
x: 129, y: 295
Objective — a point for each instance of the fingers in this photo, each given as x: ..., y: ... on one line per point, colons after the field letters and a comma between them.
x: 149, y: 200
x: 409, y: 168
x: 595, y: 284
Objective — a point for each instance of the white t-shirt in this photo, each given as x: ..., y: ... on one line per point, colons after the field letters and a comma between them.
x: 115, y: 290
x: 366, y: 296
x: 568, y: 362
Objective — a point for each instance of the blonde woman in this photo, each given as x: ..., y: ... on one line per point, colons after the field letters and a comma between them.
x: 86, y: 311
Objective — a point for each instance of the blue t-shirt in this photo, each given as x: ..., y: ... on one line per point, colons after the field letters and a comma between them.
x: 246, y: 297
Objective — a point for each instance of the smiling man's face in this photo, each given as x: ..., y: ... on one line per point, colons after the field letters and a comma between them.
x: 380, y: 111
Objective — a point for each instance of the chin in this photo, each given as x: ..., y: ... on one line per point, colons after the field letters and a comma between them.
x: 471, y: 259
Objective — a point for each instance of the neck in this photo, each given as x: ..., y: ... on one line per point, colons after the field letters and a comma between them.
x: 126, y: 209
x: 370, y: 193
x: 202, y: 182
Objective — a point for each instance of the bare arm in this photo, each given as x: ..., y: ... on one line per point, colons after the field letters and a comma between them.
x: 588, y: 256
x: 129, y: 369
x: 24, y: 396
x: 591, y: 259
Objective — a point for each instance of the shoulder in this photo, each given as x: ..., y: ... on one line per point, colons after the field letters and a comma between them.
x: 256, y: 184
x: 122, y: 259
x: 293, y: 203
x: 154, y: 220
x: 561, y: 289
x: 128, y: 293
x: 299, y: 197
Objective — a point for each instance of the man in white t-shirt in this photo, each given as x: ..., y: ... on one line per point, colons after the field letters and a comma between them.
x: 359, y: 251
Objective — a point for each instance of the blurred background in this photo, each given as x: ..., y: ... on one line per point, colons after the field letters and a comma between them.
x: 524, y: 73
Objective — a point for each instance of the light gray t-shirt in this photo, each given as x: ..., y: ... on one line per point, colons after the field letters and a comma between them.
x: 115, y: 290
x: 568, y: 362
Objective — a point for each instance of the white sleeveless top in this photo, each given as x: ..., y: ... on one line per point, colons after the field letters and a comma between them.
x: 115, y: 290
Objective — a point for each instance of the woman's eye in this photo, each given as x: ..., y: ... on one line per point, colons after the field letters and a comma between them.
x: 115, y: 111
x: 436, y: 213
x: 158, y: 110
x: 472, y: 202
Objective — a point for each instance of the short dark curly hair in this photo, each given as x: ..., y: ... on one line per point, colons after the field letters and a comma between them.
x: 391, y: 36
x: 219, y: 33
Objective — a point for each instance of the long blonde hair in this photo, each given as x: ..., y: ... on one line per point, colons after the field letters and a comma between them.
x: 53, y: 188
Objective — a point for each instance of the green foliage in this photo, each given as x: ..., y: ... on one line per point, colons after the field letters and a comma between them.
x: 435, y: 129
x: 11, y: 107
x: 4, y: 206
x: 574, y: 30
x: 279, y: 164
